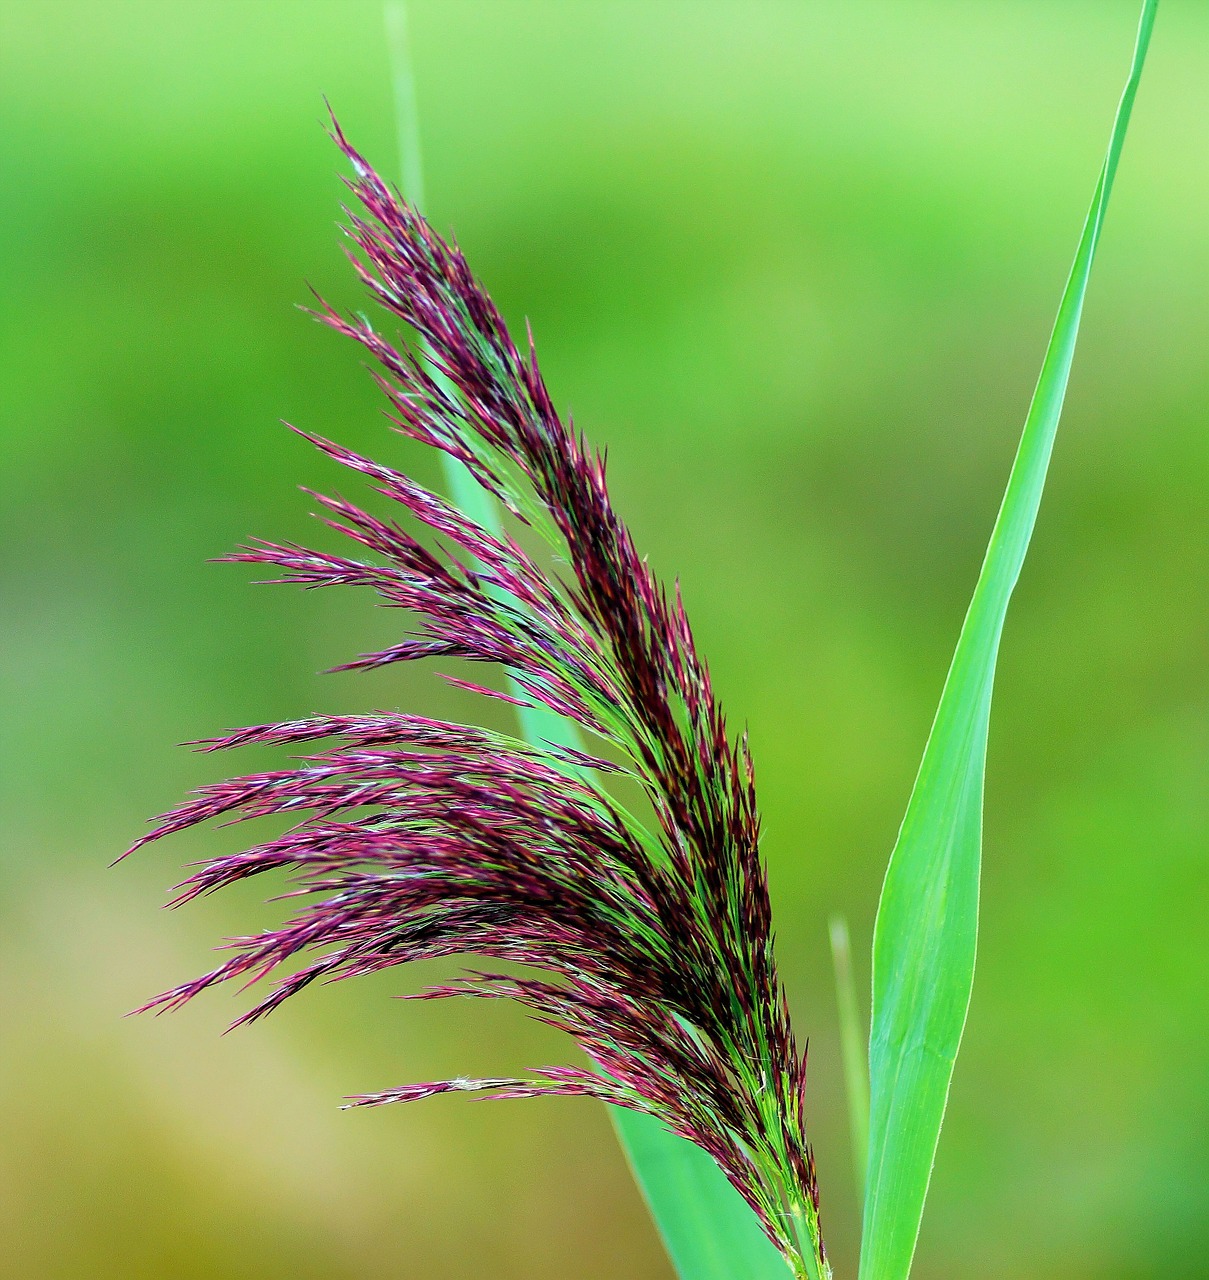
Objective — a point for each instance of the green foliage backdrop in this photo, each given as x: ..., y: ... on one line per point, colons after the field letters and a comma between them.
x: 795, y: 263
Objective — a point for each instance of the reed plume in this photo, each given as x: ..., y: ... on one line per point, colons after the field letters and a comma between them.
x: 650, y: 943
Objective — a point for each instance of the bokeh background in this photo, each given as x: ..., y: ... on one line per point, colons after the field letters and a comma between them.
x: 795, y: 264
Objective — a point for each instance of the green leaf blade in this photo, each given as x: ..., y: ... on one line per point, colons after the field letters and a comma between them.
x: 708, y: 1229
x: 927, y: 924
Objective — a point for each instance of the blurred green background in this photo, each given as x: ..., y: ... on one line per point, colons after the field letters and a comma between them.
x: 795, y: 264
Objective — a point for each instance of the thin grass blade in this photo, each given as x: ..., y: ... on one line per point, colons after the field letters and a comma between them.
x: 926, y: 932
x: 707, y: 1229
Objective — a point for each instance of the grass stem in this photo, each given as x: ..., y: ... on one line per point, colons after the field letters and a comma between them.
x: 853, y: 1039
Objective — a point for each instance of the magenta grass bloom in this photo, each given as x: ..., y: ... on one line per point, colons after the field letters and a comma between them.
x: 651, y: 945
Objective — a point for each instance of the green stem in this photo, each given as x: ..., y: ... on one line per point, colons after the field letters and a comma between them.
x: 853, y: 1041
x: 706, y: 1227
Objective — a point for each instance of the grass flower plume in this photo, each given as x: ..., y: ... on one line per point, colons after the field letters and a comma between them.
x: 649, y: 942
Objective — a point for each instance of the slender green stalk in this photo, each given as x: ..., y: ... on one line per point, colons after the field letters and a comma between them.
x: 707, y: 1229
x: 853, y: 1041
x: 466, y: 493
x: 407, y: 113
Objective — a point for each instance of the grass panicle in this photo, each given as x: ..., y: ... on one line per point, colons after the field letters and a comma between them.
x: 651, y: 946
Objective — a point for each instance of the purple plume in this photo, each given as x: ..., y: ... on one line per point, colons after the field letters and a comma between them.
x: 651, y: 945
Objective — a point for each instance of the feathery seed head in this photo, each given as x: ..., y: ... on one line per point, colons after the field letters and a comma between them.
x: 418, y: 839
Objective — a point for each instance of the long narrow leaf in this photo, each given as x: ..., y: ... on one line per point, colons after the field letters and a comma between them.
x: 926, y: 932
x: 709, y: 1232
